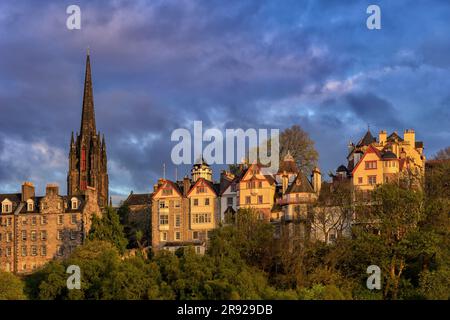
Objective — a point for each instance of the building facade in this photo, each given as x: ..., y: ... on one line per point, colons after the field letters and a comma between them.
x: 35, y: 230
x: 389, y: 159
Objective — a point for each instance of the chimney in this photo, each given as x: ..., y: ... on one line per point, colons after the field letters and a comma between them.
x: 186, y: 185
x: 316, y: 178
x: 382, y: 137
x: 410, y: 136
x: 285, y: 182
x: 52, y: 189
x: 27, y: 190
x: 350, y: 146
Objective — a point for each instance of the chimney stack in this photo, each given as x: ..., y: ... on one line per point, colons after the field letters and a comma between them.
x: 410, y: 136
x: 316, y: 180
x: 52, y: 189
x: 27, y: 190
x: 186, y: 185
x: 382, y: 137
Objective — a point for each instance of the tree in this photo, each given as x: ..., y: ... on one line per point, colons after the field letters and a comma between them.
x: 108, y: 228
x: 443, y: 154
x: 11, y: 287
x: 301, y: 147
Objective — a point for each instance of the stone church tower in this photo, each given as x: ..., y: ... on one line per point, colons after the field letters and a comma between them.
x: 87, y: 156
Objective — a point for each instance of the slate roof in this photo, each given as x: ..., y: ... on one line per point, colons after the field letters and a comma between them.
x: 389, y: 155
x: 301, y: 184
x: 366, y: 140
x: 136, y: 199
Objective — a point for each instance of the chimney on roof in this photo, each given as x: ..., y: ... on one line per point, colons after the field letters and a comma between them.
x: 27, y: 190
x: 410, y: 136
x: 316, y: 178
x: 52, y: 189
x: 382, y: 137
x: 186, y: 185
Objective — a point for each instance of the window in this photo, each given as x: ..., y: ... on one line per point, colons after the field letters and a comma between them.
x: 360, y: 180
x: 195, y: 202
x: 177, y: 220
x: 208, y: 234
x: 198, y: 249
x: 43, y: 250
x: 167, y: 192
x: 162, y: 204
x: 202, y: 218
x: 195, y: 235
x: 8, y: 221
x: 6, y: 206
x: 34, y: 250
x: 24, y: 235
x: 60, y: 250
x: 177, y: 235
x: 260, y: 184
x: 30, y: 205
x: 73, y: 234
x: 372, y: 180
x: 60, y: 219
x: 260, y: 199
x: 8, y: 236
x: 248, y: 200
x: 229, y: 201
x: 24, y: 221
x: 43, y: 219
x: 33, y: 221
x: 8, y: 251
x: 332, y: 236
x: 74, y: 202
x: 24, y: 251
x: 371, y: 165
x: 60, y: 235
x: 163, y: 236
x: 43, y: 235
x: 177, y: 203
x: 24, y: 266
x: 74, y: 219
x: 163, y: 219
x: 233, y: 187
x: 33, y: 235
x: 207, y: 202
x: 201, y: 189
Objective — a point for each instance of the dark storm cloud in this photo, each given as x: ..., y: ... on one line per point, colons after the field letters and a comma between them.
x: 160, y: 65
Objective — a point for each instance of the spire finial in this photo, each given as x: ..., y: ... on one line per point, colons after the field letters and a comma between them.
x: 88, y: 51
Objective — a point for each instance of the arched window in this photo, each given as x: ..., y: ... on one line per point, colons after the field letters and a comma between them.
x: 30, y: 205
x: 6, y: 206
x: 74, y: 202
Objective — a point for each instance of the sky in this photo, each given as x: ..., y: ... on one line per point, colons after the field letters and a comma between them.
x: 162, y: 64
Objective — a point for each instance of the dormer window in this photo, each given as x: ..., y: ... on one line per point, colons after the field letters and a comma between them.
x: 6, y: 206
x: 30, y: 205
x: 74, y: 202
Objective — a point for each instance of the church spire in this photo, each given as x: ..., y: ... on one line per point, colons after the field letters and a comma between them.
x: 88, y: 115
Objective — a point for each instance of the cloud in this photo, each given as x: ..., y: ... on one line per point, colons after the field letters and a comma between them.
x: 160, y: 65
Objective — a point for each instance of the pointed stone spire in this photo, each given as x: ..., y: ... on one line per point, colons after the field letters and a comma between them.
x: 103, y: 142
x: 72, y: 141
x: 88, y: 115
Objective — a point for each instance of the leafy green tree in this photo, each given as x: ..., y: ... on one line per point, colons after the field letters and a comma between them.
x: 108, y: 228
x: 11, y: 287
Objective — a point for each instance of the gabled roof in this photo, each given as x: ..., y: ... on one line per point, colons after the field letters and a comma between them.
x: 370, y: 149
x: 172, y: 184
x: 135, y: 199
x: 288, y: 164
x: 394, y: 136
x: 203, y: 181
x: 389, y: 155
x: 366, y: 140
x: 301, y: 184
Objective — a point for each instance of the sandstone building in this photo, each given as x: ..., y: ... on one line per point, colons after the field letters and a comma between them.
x: 35, y: 229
